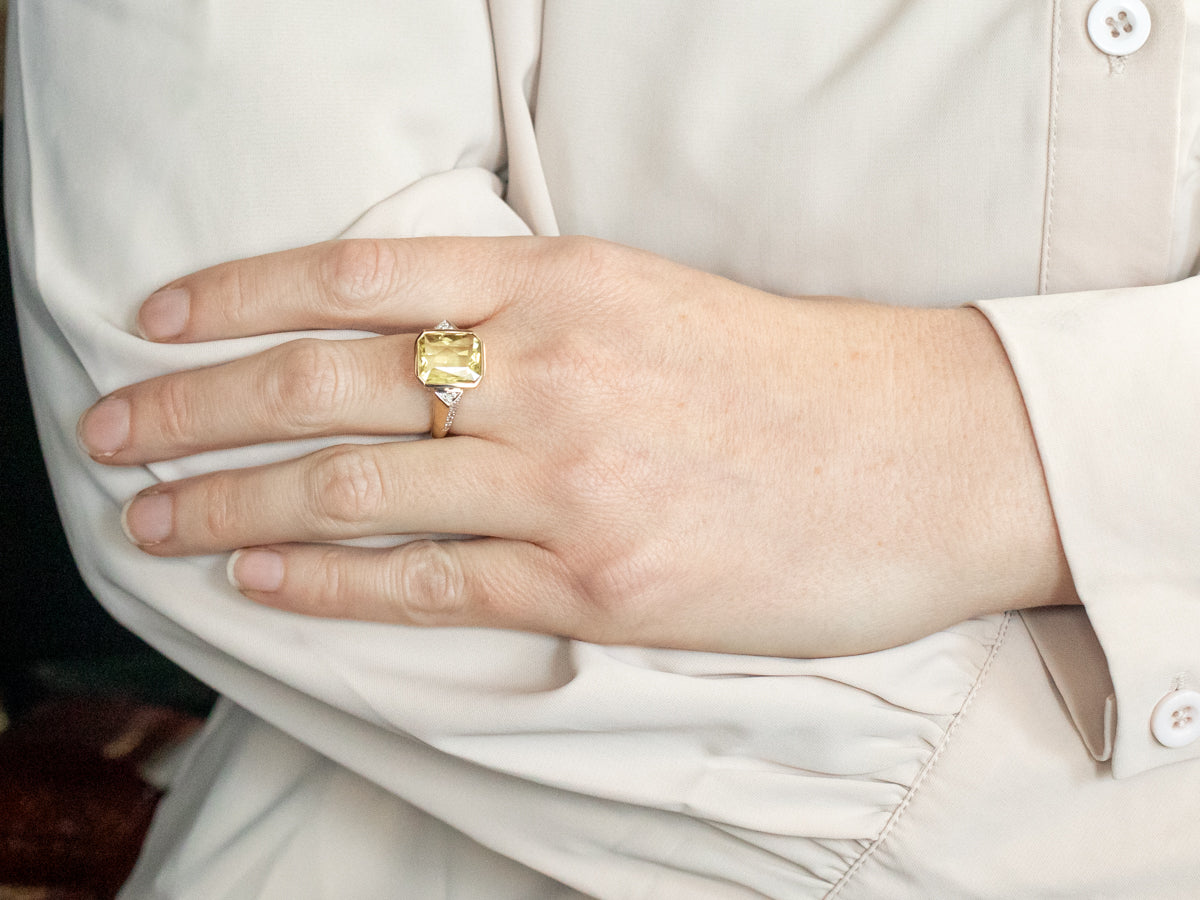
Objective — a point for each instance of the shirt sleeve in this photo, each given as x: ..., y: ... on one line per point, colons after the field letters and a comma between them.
x: 1111, y: 380
x: 146, y: 140
x: 551, y: 752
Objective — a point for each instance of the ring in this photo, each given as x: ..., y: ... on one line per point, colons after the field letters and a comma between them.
x: 448, y: 362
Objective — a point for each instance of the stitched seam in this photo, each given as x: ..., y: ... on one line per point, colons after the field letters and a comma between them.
x: 1051, y: 150
x: 1167, y: 273
x: 900, y: 809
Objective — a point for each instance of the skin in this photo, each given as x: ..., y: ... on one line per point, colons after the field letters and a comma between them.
x: 655, y: 456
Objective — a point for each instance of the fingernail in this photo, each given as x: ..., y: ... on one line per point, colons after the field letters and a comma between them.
x: 165, y: 314
x: 104, y: 429
x: 255, y: 570
x: 149, y: 518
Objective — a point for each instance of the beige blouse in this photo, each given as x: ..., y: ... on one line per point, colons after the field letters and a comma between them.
x: 922, y: 153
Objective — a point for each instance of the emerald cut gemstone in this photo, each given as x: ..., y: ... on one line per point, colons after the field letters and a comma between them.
x: 449, y: 359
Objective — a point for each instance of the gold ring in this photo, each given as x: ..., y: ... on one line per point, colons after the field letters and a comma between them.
x: 448, y: 362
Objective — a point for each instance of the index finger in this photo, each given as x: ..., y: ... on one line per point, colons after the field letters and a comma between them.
x: 384, y: 286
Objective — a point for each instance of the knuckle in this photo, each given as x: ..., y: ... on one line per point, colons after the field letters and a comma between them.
x: 359, y: 274
x: 349, y: 485
x: 221, y: 518
x: 575, y: 251
x: 235, y: 290
x: 326, y: 587
x: 597, y: 479
x: 577, y: 357
x: 588, y: 265
x: 428, y: 583
x: 175, y: 413
x: 311, y: 385
x: 620, y: 578
x: 614, y: 588
x: 576, y: 479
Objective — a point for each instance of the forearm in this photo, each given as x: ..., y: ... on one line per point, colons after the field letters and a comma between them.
x: 922, y: 471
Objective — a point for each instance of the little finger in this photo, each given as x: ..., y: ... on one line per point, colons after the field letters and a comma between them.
x: 490, y: 583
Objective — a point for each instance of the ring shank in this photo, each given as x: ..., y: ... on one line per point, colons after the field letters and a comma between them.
x: 441, y: 415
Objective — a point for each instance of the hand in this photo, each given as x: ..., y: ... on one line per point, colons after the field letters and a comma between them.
x: 655, y: 455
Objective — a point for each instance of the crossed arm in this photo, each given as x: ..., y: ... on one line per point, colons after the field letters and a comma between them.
x: 656, y: 455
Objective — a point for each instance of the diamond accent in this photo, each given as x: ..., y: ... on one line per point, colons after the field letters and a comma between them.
x: 448, y: 395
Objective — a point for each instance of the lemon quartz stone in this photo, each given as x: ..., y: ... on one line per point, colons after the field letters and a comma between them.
x: 449, y: 359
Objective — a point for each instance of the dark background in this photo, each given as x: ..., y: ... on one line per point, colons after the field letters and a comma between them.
x: 54, y: 636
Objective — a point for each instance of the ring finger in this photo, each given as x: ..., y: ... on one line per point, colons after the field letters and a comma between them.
x: 304, y: 388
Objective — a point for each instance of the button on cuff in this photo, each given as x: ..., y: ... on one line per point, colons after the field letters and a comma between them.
x: 1175, y: 721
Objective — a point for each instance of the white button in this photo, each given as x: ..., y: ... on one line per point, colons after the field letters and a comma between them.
x: 1175, y: 721
x: 1119, y: 27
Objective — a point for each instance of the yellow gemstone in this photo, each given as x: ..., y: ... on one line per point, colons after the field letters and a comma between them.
x: 449, y: 358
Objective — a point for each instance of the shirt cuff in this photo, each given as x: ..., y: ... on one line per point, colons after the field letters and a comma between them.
x: 1111, y: 380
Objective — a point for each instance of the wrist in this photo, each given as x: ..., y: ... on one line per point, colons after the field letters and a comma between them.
x: 1017, y: 559
x: 921, y: 471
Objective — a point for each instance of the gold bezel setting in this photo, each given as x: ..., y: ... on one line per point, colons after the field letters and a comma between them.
x: 447, y: 357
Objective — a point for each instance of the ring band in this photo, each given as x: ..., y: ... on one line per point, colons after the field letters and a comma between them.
x: 448, y: 362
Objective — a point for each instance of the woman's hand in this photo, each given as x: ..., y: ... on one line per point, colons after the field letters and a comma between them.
x: 655, y: 455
